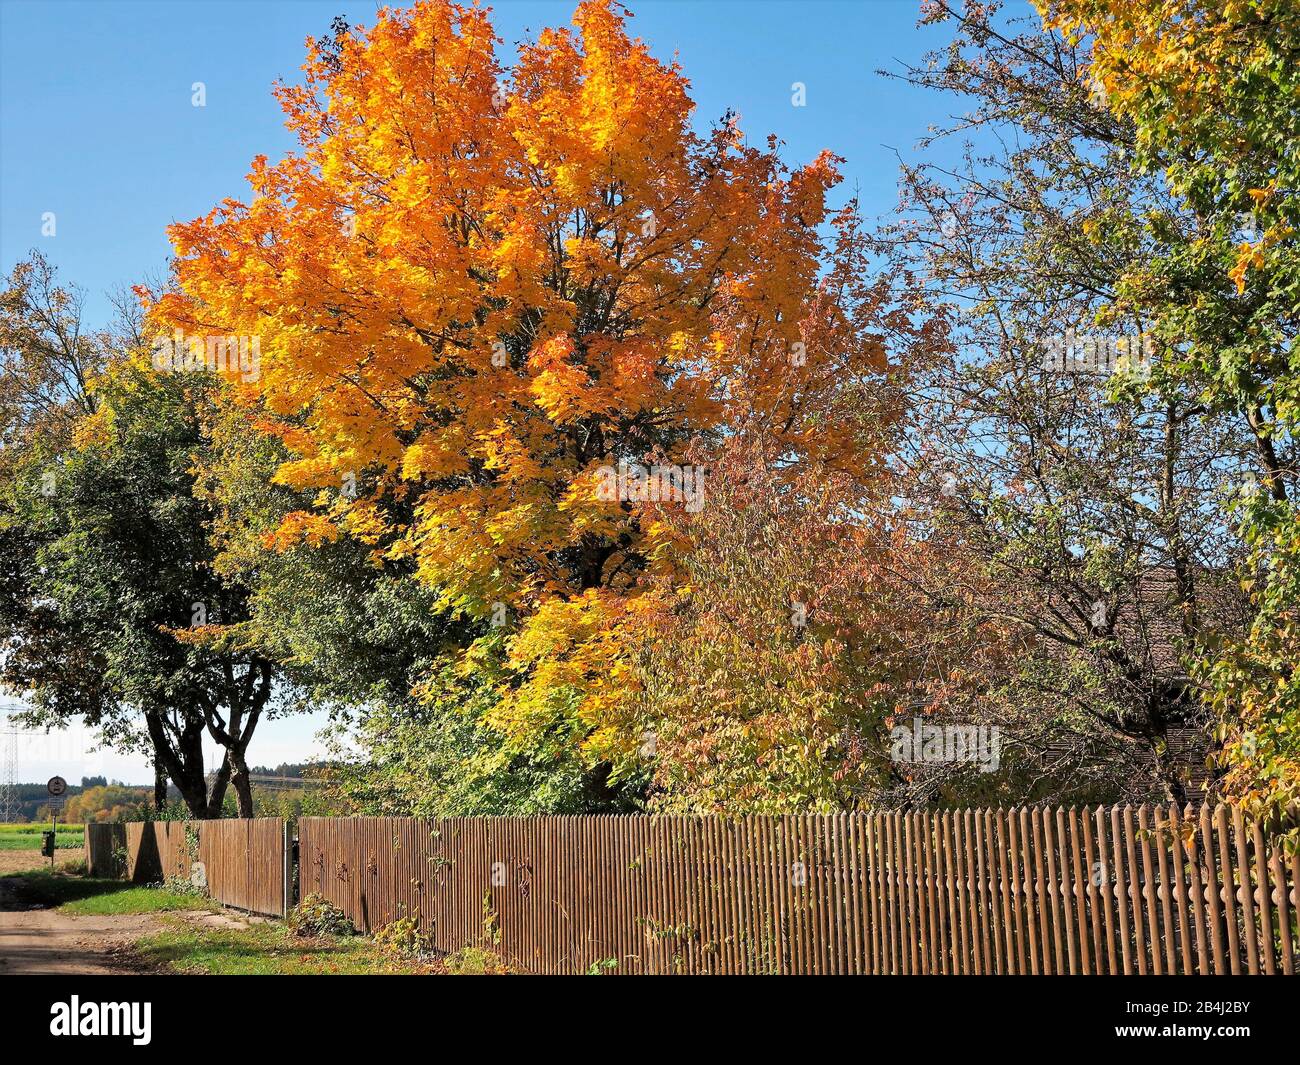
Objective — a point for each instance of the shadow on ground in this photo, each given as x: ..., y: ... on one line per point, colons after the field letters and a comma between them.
x: 38, y: 889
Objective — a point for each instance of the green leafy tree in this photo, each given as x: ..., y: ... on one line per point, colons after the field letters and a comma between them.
x: 1212, y: 90
x: 113, y: 612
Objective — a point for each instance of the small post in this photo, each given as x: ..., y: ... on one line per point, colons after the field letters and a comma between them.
x: 56, y: 786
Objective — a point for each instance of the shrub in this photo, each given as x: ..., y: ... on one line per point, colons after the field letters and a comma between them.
x: 182, y: 885
x: 314, y: 916
x: 475, y: 961
x: 402, y: 938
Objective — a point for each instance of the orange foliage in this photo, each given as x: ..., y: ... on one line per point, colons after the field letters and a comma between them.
x: 477, y: 289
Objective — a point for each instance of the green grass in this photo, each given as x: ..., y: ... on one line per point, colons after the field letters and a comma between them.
x: 27, y: 837
x: 84, y: 896
x: 136, y: 900
x: 266, y: 949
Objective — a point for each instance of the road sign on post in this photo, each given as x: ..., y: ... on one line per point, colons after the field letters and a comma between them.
x: 56, y: 786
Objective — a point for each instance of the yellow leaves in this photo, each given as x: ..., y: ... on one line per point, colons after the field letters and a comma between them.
x: 518, y: 257
x: 603, y: 518
x: 301, y: 527
x: 1255, y: 256
x: 505, y: 454
x: 93, y: 430
x: 367, y: 523
x: 554, y: 628
x: 1261, y: 196
x: 307, y: 473
x: 435, y: 455
x: 1248, y: 255
x: 1133, y: 47
x: 570, y: 660
x: 1200, y: 80
x: 558, y: 383
x: 590, y: 262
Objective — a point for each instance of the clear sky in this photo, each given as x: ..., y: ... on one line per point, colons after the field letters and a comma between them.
x: 97, y: 126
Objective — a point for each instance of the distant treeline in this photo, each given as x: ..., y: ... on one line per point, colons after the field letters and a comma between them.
x: 96, y: 799
x: 32, y: 797
x: 293, y: 770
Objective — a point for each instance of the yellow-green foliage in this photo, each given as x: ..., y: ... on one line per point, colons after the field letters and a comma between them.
x: 314, y: 916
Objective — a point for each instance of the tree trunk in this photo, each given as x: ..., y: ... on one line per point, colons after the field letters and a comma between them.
x: 245, y: 699
x: 243, y: 785
x: 1170, y: 773
x: 159, y: 785
x: 1172, y: 706
x: 218, y: 794
x: 181, y: 760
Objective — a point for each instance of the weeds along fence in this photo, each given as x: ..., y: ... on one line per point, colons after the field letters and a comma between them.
x: 242, y: 863
x: 1109, y: 890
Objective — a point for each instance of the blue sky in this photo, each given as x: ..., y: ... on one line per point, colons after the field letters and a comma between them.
x: 97, y: 126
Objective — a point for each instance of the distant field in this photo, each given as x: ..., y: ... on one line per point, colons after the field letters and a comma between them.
x: 28, y: 837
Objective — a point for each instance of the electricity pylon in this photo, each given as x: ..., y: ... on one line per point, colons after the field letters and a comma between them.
x: 10, y: 806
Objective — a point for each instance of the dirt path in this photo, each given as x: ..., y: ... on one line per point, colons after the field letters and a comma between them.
x: 44, y: 941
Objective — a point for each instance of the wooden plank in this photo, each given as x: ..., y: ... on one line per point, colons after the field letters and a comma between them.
x: 1148, y: 885
x: 1071, y: 895
x: 983, y: 910
x: 888, y: 868
x: 1135, y: 890
x: 914, y: 911
x: 1212, y: 899
x: 1179, y: 872
x: 1284, y: 913
x: 994, y: 891
x: 1263, y: 903
x: 1046, y: 920
x: 1026, y: 953
x: 870, y: 827
x: 1164, y: 885
x: 1100, y: 907
x: 1119, y: 871
x: 1005, y: 890
x: 930, y: 910
x: 956, y: 892
x: 1053, y: 894
x: 1227, y: 890
x: 898, y: 889
x: 1244, y: 894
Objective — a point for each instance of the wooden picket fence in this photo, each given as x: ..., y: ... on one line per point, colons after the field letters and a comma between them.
x: 1033, y: 890
x: 245, y: 863
x: 105, y: 846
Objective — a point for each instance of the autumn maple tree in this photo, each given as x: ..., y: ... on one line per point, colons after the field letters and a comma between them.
x: 477, y: 290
